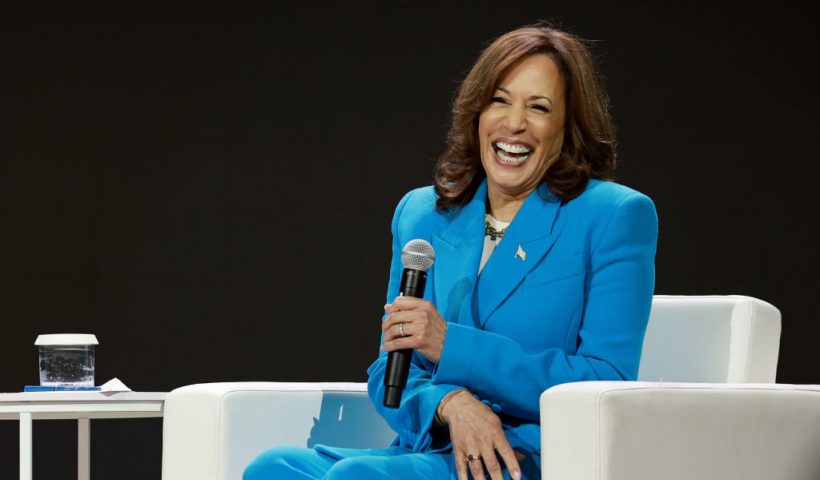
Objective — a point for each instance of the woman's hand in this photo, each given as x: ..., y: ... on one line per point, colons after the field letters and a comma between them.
x: 420, y: 323
x: 476, y: 431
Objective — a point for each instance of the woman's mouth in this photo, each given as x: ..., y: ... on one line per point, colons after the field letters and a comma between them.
x: 512, y: 154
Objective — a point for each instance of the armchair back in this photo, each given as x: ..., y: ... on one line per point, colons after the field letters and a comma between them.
x: 711, y: 339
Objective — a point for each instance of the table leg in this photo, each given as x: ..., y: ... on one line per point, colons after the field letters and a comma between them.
x: 83, y: 449
x: 25, y: 446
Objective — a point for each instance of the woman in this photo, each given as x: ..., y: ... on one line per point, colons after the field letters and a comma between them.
x: 544, y: 273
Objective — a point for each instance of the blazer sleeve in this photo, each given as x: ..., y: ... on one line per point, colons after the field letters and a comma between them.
x: 413, y: 420
x: 618, y: 296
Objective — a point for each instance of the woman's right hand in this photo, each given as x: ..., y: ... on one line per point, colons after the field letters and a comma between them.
x: 475, y: 430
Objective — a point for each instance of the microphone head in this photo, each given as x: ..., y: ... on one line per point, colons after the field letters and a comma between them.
x: 418, y: 255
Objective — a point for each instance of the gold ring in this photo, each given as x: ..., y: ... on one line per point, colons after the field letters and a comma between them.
x: 469, y: 458
x: 401, y: 330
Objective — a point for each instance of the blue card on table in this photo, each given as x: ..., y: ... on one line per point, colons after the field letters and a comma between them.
x: 59, y: 388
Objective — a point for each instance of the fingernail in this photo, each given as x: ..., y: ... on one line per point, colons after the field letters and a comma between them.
x: 516, y: 475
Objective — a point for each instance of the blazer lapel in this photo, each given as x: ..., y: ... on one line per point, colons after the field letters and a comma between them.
x: 527, y: 240
x: 458, y: 253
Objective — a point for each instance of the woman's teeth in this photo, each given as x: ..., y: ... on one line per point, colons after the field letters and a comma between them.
x: 510, y: 159
x: 511, y: 154
x: 512, y: 148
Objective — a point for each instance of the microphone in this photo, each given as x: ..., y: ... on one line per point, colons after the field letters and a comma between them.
x: 417, y: 256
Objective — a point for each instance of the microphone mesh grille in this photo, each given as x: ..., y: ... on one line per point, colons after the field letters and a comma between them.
x: 418, y: 254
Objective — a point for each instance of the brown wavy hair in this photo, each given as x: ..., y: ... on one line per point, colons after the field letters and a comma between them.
x: 589, y: 135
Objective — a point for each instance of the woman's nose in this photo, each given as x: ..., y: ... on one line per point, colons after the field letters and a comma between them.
x: 515, y: 120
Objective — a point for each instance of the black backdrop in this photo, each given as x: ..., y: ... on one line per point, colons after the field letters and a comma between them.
x: 210, y: 192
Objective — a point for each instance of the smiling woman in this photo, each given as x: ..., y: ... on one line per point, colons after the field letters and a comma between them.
x: 544, y: 274
x: 556, y: 85
x: 521, y: 131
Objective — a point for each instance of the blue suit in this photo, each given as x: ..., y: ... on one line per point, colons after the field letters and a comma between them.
x: 565, y: 297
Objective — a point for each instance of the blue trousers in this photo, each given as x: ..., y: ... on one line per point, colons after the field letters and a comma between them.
x: 298, y: 463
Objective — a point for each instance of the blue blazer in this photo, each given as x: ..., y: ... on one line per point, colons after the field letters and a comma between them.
x: 571, y: 306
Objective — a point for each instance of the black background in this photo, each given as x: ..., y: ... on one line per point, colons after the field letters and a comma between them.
x: 210, y: 191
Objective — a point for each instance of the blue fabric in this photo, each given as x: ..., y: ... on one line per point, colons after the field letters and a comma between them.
x: 565, y: 297
x: 299, y: 463
x: 295, y: 463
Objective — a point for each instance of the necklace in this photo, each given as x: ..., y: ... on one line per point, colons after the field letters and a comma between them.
x: 490, y: 230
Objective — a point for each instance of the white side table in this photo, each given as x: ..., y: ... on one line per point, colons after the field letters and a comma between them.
x: 82, y: 406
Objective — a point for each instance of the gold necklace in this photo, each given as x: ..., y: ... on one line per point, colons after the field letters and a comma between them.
x: 490, y: 230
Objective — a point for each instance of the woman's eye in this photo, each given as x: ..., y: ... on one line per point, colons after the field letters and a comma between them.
x: 540, y: 108
x: 498, y: 100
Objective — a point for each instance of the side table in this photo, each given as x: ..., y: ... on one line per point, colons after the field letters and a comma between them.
x: 82, y: 406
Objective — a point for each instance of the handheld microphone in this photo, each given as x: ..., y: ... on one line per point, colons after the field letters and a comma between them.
x: 417, y: 256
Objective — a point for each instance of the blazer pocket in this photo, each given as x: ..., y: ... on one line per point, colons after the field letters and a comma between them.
x: 553, y: 270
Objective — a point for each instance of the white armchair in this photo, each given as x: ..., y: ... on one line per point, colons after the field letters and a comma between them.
x: 722, y: 427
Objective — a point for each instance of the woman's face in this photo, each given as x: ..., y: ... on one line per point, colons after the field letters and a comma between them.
x: 522, y: 129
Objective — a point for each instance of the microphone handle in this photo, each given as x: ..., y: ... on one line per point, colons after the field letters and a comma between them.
x: 398, y: 362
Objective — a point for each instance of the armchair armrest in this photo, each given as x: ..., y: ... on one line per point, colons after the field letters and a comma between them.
x: 212, y: 431
x: 676, y: 431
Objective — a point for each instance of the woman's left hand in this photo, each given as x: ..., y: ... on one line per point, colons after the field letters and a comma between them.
x: 423, y: 327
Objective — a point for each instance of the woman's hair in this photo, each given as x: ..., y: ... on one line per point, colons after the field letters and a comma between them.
x: 589, y: 135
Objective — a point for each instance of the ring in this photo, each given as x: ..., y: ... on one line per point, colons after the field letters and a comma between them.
x: 469, y: 458
x: 401, y: 330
